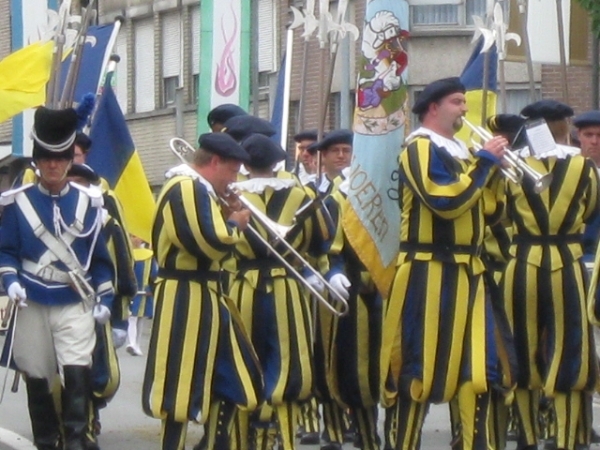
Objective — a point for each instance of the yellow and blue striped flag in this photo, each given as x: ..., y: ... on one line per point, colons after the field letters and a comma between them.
x: 472, y: 77
x: 114, y: 157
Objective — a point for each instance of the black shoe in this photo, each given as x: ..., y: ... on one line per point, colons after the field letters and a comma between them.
x: 310, y: 438
x: 44, y: 421
x: 332, y: 446
x: 75, y: 410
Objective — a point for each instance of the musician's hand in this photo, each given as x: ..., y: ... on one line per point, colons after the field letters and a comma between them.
x: 496, y: 146
x: 101, y: 313
x: 17, y: 294
x: 341, y: 284
x: 241, y: 218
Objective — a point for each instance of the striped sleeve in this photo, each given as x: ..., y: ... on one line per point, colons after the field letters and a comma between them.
x: 447, y: 193
x: 335, y: 245
x: 193, y: 221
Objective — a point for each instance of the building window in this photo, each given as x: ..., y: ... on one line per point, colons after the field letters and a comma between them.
x: 171, y: 55
x: 517, y: 99
x: 267, y: 37
x: 450, y: 15
x: 144, y: 65
x: 170, y: 90
x: 195, y: 56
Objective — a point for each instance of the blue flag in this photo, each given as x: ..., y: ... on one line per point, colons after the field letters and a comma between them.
x: 92, y: 60
x: 277, y: 113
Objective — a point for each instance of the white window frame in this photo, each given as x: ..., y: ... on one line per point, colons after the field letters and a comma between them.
x: 462, y: 19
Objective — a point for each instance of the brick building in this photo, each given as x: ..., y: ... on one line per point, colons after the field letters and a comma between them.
x: 159, y: 48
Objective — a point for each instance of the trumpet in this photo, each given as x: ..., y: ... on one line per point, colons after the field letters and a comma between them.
x: 278, y: 233
x: 517, y: 169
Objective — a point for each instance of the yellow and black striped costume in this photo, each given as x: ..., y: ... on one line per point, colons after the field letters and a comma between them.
x: 274, y: 308
x: 200, y: 357
x: 440, y: 335
x: 355, y: 340
x: 544, y: 289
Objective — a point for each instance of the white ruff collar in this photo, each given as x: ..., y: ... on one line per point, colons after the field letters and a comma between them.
x: 258, y: 185
x: 184, y: 170
x: 454, y: 147
x: 560, y: 152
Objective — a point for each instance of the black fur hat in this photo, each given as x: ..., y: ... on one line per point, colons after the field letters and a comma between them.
x: 53, y: 133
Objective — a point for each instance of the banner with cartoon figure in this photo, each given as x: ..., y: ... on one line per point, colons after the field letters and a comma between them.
x: 372, y: 222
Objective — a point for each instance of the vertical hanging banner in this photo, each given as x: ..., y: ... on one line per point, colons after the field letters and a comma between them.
x: 372, y: 222
x: 225, y: 38
x: 542, y: 27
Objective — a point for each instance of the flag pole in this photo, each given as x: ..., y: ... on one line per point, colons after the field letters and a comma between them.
x: 112, y: 41
x: 524, y: 12
x: 563, y: 58
x: 485, y: 86
x: 285, y: 115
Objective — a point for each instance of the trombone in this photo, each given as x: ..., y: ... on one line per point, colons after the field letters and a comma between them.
x: 278, y: 233
x: 517, y: 168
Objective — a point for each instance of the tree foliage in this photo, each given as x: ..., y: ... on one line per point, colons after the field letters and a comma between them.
x: 593, y: 7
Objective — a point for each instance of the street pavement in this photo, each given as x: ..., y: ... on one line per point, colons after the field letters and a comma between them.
x: 126, y: 427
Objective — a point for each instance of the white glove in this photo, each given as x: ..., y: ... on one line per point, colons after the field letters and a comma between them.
x: 119, y: 337
x: 315, y: 282
x: 17, y: 294
x: 101, y: 314
x: 341, y: 283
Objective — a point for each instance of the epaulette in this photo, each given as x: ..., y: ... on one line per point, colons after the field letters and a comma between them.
x: 8, y: 197
x: 93, y: 192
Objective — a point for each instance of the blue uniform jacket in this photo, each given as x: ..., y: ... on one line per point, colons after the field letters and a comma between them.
x: 18, y: 243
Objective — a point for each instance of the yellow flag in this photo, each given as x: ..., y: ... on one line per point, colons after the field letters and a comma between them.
x: 23, y: 78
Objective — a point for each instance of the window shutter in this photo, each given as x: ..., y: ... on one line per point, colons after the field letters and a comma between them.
x: 121, y: 71
x: 171, y: 44
x: 266, y: 35
x: 195, y: 15
x: 144, y: 65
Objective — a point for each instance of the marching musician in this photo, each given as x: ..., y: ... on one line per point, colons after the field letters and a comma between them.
x: 271, y: 301
x: 306, y: 152
x: 588, y: 135
x: 353, y: 380
x: 200, y: 366
x: 438, y: 333
x: 336, y: 154
x: 545, y: 282
x: 111, y: 335
x: 54, y: 260
x: 217, y: 116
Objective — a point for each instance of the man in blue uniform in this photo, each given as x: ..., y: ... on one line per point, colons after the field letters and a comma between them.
x: 54, y: 260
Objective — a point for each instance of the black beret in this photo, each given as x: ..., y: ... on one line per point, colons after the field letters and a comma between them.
x: 263, y: 151
x: 84, y: 171
x: 240, y: 127
x: 306, y: 135
x: 547, y: 110
x: 313, y: 148
x: 53, y: 133
x: 587, y: 119
x: 83, y: 141
x: 223, y: 113
x: 336, y: 137
x: 223, y: 145
x: 435, y: 91
x: 505, y: 123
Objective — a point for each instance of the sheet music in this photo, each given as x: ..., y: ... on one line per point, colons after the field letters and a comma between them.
x: 539, y: 137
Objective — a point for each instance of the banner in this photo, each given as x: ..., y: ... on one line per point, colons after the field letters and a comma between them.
x: 372, y: 222
x: 224, y: 56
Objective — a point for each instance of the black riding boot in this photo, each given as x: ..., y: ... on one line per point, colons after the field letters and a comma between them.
x: 44, y: 421
x: 75, y: 409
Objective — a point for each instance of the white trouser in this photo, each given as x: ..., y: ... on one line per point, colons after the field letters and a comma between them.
x: 47, y: 338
